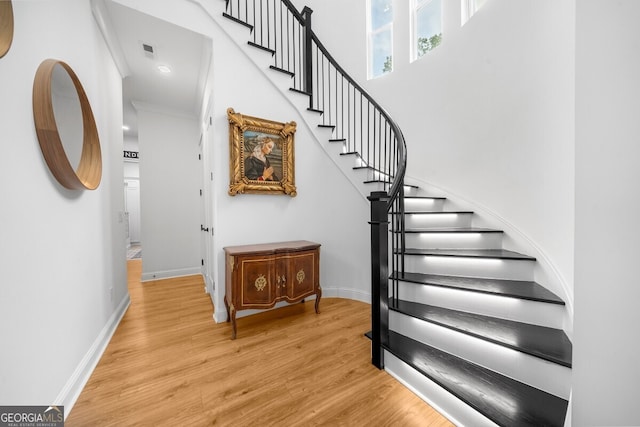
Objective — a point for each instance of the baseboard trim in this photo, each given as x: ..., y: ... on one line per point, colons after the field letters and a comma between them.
x: 168, y: 274
x: 72, y: 389
x: 354, y: 294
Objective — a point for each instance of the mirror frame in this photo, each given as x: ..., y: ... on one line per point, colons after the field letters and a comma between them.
x: 6, y: 26
x: 89, y: 171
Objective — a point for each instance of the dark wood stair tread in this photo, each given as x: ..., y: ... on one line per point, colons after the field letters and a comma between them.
x: 238, y: 21
x: 378, y: 181
x: 301, y: 92
x: 503, y: 400
x: 282, y: 70
x: 522, y: 289
x: 461, y: 230
x: 261, y: 47
x: 539, y: 341
x: 435, y: 212
x: 425, y: 197
x: 470, y: 253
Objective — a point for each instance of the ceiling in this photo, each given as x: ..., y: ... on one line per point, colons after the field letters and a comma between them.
x: 187, y: 54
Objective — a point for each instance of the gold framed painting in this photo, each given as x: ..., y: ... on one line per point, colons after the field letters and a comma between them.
x: 261, y: 155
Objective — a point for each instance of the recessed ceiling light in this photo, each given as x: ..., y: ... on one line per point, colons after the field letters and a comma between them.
x: 164, y: 69
x: 125, y: 127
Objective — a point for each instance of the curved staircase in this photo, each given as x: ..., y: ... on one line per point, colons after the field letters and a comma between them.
x: 466, y: 316
x: 458, y: 318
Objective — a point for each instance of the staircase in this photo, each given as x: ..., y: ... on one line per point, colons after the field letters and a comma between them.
x: 455, y: 316
x: 467, y: 317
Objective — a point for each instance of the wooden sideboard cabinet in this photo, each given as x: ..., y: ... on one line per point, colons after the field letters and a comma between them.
x: 259, y: 276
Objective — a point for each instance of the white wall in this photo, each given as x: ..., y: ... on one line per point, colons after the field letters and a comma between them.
x: 328, y: 209
x: 61, y: 252
x: 341, y: 26
x: 170, y: 184
x: 606, y: 345
x: 488, y: 115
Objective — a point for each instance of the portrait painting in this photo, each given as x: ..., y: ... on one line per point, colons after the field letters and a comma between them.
x: 261, y: 155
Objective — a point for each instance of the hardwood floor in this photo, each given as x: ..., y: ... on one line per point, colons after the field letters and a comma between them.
x: 169, y: 363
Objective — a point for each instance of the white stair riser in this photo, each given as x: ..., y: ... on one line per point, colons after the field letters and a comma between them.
x: 437, y: 220
x: 411, y: 191
x: 368, y: 174
x: 454, y: 409
x: 471, y: 267
x: 519, y: 310
x: 423, y: 205
x: 334, y: 148
x: 454, y: 240
x: 536, y: 372
x: 356, y: 176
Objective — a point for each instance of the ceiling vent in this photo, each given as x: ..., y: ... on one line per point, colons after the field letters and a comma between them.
x: 148, y: 50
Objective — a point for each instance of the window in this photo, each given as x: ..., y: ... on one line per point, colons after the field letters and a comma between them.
x: 380, y: 37
x: 427, y: 26
x: 469, y: 7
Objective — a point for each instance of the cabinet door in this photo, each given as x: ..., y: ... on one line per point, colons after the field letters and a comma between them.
x: 302, y: 274
x: 257, y: 287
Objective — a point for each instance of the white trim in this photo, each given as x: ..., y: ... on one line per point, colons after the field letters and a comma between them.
x: 102, y: 17
x: 72, y: 389
x: 169, y: 274
x: 352, y: 294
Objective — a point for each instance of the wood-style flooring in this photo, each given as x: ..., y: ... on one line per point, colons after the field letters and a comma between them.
x: 169, y: 363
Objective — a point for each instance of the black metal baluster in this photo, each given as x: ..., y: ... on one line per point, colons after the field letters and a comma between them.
x: 361, y: 123
x: 289, y: 41
x: 341, y: 135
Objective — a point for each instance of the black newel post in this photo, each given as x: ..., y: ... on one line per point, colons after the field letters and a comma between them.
x: 379, y: 276
x: 308, y: 54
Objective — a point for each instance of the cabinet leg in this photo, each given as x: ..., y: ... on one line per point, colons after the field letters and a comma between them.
x: 233, y: 322
x: 231, y: 317
x: 318, y: 295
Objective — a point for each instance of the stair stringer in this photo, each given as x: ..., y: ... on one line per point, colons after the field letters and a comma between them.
x: 545, y: 272
x: 262, y: 60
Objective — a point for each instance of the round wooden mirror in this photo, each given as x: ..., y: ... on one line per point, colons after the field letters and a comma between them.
x: 61, y: 111
x: 6, y: 26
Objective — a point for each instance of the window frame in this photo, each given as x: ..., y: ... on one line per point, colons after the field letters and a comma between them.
x: 371, y: 34
x: 469, y: 8
x: 416, y: 7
